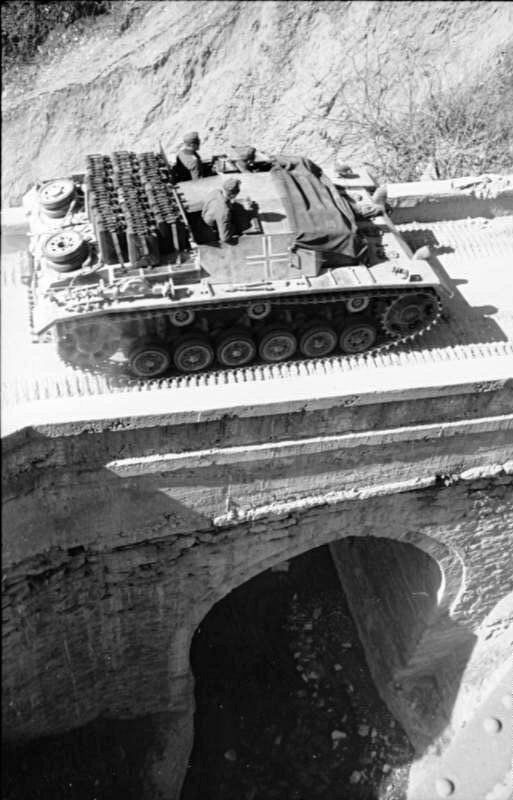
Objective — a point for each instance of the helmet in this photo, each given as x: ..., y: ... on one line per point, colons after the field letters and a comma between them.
x: 231, y: 186
x: 344, y: 170
x: 191, y: 138
x: 246, y: 153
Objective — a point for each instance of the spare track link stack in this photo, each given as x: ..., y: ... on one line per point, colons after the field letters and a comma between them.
x: 132, y: 208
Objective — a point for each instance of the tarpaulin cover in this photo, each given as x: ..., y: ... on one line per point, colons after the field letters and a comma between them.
x: 319, y: 217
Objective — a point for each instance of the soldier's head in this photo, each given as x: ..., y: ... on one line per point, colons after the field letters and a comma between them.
x: 192, y: 141
x: 344, y: 170
x: 231, y: 188
x: 246, y: 155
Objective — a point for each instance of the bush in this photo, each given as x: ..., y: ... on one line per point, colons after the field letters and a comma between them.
x: 27, y: 23
x: 452, y: 132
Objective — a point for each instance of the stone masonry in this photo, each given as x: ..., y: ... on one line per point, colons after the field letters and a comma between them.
x: 120, y: 535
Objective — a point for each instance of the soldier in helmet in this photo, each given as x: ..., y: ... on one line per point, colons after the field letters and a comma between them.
x: 365, y: 208
x: 239, y: 158
x: 219, y: 213
x: 244, y: 158
x: 188, y: 166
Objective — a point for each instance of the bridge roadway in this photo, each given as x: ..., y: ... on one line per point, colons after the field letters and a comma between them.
x: 286, y: 495
x: 472, y: 345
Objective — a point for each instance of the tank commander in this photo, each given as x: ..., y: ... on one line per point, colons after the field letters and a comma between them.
x: 219, y: 213
x: 364, y: 208
x: 244, y: 158
x: 188, y: 166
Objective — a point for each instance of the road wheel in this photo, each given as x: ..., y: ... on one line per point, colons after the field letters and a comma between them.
x: 193, y: 353
x: 235, y: 348
x: 317, y: 341
x: 357, y: 338
x: 149, y: 359
x: 276, y: 345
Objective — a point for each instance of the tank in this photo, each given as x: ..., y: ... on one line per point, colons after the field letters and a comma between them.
x: 125, y: 272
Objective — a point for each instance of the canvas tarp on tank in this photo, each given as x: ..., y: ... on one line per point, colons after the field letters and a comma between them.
x: 319, y: 217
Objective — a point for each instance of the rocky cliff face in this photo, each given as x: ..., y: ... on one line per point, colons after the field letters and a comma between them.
x: 279, y: 74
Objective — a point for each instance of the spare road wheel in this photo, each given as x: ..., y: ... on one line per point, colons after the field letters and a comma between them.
x: 65, y: 250
x: 55, y: 196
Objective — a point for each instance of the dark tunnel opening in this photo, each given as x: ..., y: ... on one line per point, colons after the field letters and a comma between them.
x: 285, y: 704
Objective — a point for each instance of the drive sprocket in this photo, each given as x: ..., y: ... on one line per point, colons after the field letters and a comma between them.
x: 411, y: 314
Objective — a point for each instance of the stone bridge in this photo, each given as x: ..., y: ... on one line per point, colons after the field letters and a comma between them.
x: 129, y: 514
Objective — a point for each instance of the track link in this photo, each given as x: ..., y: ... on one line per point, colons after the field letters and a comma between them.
x: 75, y: 384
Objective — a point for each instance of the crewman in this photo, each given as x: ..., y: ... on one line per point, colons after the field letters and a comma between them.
x: 365, y: 208
x: 244, y: 158
x: 241, y: 159
x: 188, y: 166
x: 218, y: 211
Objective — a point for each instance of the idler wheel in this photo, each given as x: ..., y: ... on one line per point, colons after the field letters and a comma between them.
x: 66, y: 250
x: 69, y: 353
x: 193, y: 353
x: 98, y: 337
x: 235, y: 348
x: 149, y: 359
x: 408, y: 314
x: 357, y: 338
x: 276, y: 345
x: 67, y: 348
x: 88, y: 337
x: 317, y: 341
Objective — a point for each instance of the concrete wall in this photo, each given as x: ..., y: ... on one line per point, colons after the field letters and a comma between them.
x: 119, y: 538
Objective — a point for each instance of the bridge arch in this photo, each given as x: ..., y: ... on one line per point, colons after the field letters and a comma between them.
x: 313, y: 531
x: 408, y: 598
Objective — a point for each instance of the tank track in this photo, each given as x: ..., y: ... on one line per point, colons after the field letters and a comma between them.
x: 95, y: 363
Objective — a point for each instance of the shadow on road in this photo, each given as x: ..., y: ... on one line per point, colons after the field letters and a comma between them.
x: 464, y: 323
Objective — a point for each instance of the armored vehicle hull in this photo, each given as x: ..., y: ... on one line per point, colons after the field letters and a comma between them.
x: 126, y: 272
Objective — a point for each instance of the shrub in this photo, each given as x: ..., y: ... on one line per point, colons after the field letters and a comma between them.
x: 455, y: 132
x: 27, y: 23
